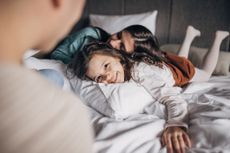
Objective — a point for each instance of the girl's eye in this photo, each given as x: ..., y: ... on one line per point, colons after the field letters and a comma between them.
x: 106, y: 66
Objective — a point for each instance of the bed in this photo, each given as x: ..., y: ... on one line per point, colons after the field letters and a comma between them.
x: 124, y: 125
x: 126, y: 119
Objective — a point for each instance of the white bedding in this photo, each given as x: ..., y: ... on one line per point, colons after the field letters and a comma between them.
x: 140, y: 130
x: 209, y: 123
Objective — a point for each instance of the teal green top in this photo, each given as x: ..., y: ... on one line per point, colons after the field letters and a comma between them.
x: 75, y: 42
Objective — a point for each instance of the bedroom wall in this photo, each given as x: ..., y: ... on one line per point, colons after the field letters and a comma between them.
x: 173, y: 17
x: 206, y: 15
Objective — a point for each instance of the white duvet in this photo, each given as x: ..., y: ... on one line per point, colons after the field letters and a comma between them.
x: 209, y: 123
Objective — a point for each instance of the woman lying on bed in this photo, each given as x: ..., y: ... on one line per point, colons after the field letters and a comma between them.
x: 103, y: 64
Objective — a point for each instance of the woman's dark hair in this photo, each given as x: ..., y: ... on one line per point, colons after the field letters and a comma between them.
x: 79, y: 64
x: 146, y: 46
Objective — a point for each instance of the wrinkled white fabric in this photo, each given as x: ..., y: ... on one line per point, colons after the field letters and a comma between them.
x: 208, y: 123
x: 159, y: 83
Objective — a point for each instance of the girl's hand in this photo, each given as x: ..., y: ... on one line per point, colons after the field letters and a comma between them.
x: 176, y: 140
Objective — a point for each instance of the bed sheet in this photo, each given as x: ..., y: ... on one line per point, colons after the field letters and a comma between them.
x: 209, y: 123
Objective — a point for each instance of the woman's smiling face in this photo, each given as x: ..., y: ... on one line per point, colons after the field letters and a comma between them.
x: 105, y: 69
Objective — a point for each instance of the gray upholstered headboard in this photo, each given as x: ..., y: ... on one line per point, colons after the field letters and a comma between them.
x: 173, y: 17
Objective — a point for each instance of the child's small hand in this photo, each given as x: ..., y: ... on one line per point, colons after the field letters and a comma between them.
x: 176, y: 140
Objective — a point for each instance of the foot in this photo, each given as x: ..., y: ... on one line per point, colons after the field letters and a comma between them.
x: 220, y: 35
x: 193, y: 32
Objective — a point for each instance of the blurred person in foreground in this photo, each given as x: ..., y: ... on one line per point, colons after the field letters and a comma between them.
x: 35, y: 116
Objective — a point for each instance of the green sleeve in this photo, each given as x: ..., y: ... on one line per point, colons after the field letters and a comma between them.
x: 74, y: 43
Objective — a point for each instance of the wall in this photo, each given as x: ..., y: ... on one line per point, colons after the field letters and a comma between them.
x: 173, y: 17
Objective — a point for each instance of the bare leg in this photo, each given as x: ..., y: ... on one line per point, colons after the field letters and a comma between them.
x: 211, y: 58
x: 191, y: 33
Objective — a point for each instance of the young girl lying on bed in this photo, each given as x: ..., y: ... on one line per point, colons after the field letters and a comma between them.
x: 151, y: 68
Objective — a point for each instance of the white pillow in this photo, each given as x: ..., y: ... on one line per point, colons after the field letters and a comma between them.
x: 126, y: 99
x: 38, y: 64
x: 91, y: 95
x: 115, y: 23
x: 118, y: 101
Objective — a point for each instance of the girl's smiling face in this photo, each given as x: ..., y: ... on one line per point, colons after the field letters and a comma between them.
x: 105, y: 69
